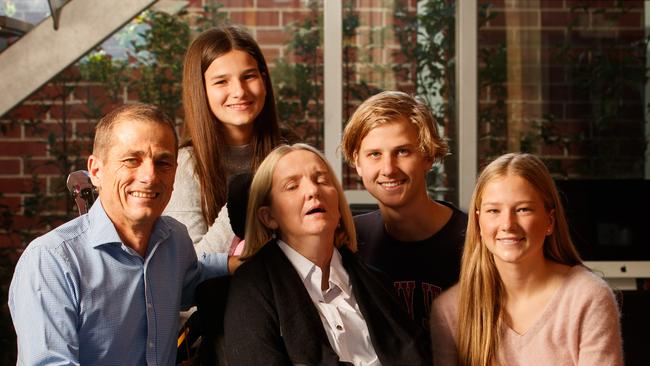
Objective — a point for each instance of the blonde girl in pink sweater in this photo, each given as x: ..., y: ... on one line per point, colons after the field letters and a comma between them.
x: 524, y: 297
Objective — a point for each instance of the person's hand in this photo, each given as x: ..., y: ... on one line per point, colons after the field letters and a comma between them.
x: 233, y: 263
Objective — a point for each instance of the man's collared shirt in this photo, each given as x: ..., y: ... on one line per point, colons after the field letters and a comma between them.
x: 338, y: 309
x: 81, y: 296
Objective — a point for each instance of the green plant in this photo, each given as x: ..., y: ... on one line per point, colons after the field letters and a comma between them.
x: 299, y: 84
x: 158, y: 71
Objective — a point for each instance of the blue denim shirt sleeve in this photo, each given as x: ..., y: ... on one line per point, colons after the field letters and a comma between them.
x: 214, y: 264
x: 42, y: 300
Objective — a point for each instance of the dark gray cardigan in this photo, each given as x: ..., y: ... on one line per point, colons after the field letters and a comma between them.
x: 271, y: 320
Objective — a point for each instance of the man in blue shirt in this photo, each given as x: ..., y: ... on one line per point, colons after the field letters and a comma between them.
x: 107, y: 287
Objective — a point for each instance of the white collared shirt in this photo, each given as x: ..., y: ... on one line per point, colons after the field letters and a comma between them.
x: 338, y: 309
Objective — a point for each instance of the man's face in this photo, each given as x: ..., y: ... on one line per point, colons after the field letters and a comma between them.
x: 391, y: 165
x: 135, y: 174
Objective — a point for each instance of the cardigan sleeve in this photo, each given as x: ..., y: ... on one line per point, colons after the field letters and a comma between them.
x: 444, y: 321
x: 600, y: 335
x: 185, y: 206
x: 252, y: 329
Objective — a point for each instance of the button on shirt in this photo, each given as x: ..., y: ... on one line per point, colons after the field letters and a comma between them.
x: 338, y: 309
x: 81, y: 296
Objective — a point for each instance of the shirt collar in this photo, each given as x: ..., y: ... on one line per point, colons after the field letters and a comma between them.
x: 306, y: 268
x: 102, y: 231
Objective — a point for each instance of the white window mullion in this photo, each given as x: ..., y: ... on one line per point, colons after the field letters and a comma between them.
x: 467, y: 89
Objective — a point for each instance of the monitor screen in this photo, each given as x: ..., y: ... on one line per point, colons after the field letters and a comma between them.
x: 607, y: 219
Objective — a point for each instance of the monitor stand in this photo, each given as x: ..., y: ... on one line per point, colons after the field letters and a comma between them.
x: 620, y: 275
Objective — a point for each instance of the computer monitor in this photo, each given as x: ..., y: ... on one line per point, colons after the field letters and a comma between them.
x: 609, y: 223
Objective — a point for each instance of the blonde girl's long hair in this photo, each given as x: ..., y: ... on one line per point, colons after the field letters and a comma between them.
x: 257, y: 234
x: 481, y: 289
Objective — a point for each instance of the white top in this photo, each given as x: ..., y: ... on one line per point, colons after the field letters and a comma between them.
x: 185, y: 206
x: 338, y: 309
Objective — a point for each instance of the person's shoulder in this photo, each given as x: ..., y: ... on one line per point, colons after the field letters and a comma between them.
x: 368, y: 218
x: 58, y: 244
x: 583, y: 282
x: 185, y: 159
x: 173, y: 225
x: 369, y: 226
x: 69, y: 233
x: 258, y: 265
x: 448, y: 298
x: 458, y: 216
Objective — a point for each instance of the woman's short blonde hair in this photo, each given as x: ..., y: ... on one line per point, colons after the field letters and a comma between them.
x: 393, y: 106
x: 257, y: 234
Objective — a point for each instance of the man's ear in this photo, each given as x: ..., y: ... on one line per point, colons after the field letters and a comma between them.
x: 95, y: 170
x: 265, y: 215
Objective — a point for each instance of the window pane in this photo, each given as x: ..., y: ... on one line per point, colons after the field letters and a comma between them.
x: 403, y: 45
x: 565, y: 80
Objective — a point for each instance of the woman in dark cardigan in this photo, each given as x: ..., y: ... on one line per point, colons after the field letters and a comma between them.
x: 302, y: 296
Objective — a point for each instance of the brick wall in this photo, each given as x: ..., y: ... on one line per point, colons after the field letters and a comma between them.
x: 566, y: 82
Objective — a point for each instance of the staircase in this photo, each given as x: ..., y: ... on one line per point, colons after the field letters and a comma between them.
x: 46, y: 49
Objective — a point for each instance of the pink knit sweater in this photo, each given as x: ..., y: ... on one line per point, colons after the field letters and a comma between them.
x: 579, y: 326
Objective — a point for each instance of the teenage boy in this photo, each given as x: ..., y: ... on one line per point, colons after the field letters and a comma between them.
x: 392, y: 140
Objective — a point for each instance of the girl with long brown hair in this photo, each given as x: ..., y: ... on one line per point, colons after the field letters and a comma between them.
x: 230, y: 126
x: 524, y: 297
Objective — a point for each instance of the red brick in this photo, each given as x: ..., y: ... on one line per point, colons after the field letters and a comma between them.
x: 20, y: 185
x: 84, y: 129
x: 97, y: 94
x: 11, y: 240
x: 552, y: 149
x: 578, y: 110
x: 553, y: 75
x: 269, y: 37
x: 22, y: 223
x: 616, y: 20
x: 294, y: 16
x: 551, y: 4
x: 26, y: 111
x: 43, y: 130
x: 255, y: 18
x: 490, y: 37
x: 72, y: 111
x: 371, y: 18
x: 497, y: 19
x: 10, y: 166
x: 10, y: 130
x: 631, y: 35
x: 12, y: 203
x: 22, y: 148
x: 41, y: 169
x: 271, y: 54
x: 274, y: 3
x: 47, y: 92
x: 563, y: 19
x: 237, y: 3
x: 554, y: 109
